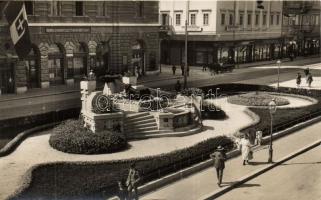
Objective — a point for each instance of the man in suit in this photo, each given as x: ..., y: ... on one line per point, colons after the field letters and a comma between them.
x: 132, y: 182
x: 219, y: 158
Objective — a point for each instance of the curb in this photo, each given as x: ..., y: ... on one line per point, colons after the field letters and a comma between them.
x: 14, y: 143
x: 258, y: 172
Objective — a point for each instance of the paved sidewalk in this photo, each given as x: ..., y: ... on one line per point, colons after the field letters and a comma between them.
x: 205, y: 182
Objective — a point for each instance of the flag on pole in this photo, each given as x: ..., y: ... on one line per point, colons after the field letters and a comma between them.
x: 17, y: 19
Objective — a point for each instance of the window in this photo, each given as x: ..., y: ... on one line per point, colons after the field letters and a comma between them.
x: 56, y: 8
x: 271, y: 19
x: 222, y: 19
x: 140, y: 9
x: 241, y: 19
x: 205, y: 19
x: 102, y: 8
x: 264, y: 19
x: 277, y: 19
x: 29, y: 7
x: 257, y: 18
x: 165, y: 19
x: 249, y: 19
x: 178, y: 19
x: 231, y: 19
x: 193, y: 19
x: 317, y: 20
x: 79, y: 8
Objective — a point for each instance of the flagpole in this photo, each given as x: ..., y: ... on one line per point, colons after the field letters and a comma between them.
x: 5, y: 7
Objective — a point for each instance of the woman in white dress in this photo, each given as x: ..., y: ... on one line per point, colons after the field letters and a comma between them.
x: 245, y: 146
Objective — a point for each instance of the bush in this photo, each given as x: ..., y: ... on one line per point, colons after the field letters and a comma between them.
x: 71, y: 137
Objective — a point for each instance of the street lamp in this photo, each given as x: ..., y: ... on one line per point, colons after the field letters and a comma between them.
x: 272, y: 108
x: 279, y: 65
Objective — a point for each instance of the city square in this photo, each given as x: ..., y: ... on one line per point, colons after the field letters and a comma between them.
x: 134, y: 100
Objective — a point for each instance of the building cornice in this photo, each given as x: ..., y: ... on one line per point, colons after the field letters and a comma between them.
x: 90, y: 24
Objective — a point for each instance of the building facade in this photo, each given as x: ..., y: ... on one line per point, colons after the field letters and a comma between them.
x: 219, y: 30
x: 69, y: 38
x: 301, y: 27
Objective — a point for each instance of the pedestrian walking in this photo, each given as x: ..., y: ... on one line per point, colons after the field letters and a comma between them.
x: 132, y: 182
x: 219, y: 158
x: 309, y: 79
x: 245, y: 146
x: 204, y: 68
x: 122, y: 193
x: 298, y: 80
x: 259, y: 135
x: 212, y: 69
x: 174, y: 69
x: 182, y: 68
x: 187, y: 71
x: 178, y: 86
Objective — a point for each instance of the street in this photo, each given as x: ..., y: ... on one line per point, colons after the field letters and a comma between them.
x: 297, y: 179
x: 204, y: 182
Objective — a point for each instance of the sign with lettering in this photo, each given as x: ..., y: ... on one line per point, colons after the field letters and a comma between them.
x: 68, y: 30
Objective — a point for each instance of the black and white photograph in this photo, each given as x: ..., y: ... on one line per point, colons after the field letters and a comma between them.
x: 160, y: 100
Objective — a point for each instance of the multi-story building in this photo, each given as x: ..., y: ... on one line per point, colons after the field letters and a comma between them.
x: 219, y: 30
x: 71, y: 37
x: 301, y: 26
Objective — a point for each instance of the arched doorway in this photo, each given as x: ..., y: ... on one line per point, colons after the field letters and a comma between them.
x: 56, y: 64
x: 32, y: 68
x: 102, y: 59
x: 138, y: 57
x: 80, y: 61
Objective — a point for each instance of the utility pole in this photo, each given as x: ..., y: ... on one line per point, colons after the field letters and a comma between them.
x: 186, y: 35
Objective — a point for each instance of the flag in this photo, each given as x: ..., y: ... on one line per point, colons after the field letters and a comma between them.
x: 17, y: 19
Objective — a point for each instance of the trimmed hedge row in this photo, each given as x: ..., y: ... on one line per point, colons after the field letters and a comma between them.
x: 72, y: 137
x: 75, y: 180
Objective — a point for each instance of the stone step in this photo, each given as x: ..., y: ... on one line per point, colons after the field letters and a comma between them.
x: 139, y: 118
x: 143, y: 124
x: 138, y: 122
x: 132, y: 134
x: 135, y: 115
x: 136, y: 129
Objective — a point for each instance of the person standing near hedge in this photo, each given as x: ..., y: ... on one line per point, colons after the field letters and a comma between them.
x: 132, y: 182
x: 309, y: 79
x: 245, y: 147
x: 219, y: 158
x: 298, y: 80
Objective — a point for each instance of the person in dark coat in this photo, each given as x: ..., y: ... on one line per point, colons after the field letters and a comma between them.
x: 132, y: 182
x: 219, y: 158
x: 298, y: 80
x: 174, y: 69
x: 178, y: 86
x: 309, y: 79
x: 182, y: 68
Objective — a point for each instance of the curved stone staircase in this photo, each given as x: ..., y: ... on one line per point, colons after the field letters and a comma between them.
x: 143, y: 125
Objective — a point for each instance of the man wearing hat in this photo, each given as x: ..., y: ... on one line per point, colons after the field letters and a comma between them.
x: 132, y: 182
x: 219, y: 158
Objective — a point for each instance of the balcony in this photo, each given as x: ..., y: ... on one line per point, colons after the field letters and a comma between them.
x: 301, y: 28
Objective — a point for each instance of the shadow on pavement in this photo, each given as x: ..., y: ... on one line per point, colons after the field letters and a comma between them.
x: 240, y: 186
x: 307, y: 163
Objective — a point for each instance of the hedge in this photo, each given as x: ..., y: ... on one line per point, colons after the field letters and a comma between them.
x: 73, y: 180
x: 72, y: 137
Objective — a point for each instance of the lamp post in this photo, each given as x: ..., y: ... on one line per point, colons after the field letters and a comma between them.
x: 279, y: 65
x: 186, y: 44
x: 272, y: 108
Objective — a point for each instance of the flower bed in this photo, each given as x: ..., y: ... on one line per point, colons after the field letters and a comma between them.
x: 256, y: 99
x: 78, y: 179
x: 71, y: 137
